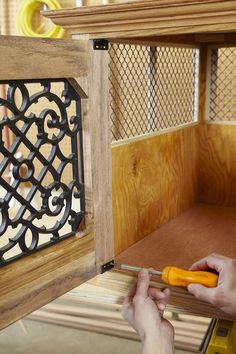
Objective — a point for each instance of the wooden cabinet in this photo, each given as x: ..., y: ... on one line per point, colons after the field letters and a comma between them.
x: 39, y: 277
x: 172, y: 128
x: 158, y: 151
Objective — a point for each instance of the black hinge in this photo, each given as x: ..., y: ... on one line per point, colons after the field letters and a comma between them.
x: 100, y: 44
x: 107, y: 266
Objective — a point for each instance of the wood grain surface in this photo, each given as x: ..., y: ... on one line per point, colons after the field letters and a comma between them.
x: 142, y: 18
x: 36, y: 58
x: 93, y: 307
x: 194, y: 234
x: 154, y: 179
x: 113, y: 286
x: 100, y: 139
x: 181, y: 39
x: 217, y: 164
x: 35, y: 280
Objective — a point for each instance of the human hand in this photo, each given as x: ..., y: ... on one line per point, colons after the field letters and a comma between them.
x: 143, y: 308
x: 224, y: 295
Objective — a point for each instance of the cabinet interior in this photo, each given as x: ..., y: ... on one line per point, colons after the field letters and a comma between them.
x: 174, y: 190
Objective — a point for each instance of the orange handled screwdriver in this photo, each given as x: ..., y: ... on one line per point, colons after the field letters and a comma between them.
x: 177, y: 276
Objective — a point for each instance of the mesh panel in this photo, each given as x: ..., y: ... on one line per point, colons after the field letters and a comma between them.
x: 222, y: 95
x: 151, y: 88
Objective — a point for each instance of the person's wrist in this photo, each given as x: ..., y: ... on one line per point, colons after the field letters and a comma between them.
x: 151, y: 344
x: 154, y: 344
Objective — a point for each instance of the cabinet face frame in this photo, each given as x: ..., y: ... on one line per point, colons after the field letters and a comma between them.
x: 37, y: 279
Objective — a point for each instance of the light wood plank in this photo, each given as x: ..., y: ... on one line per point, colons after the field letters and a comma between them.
x: 103, y: 320
x: 33, y: 281
x: 97, y: 154
x: 137, y: 18
x: 100, y: 139
x: 113, y: 286
x: 153, y: 181
x: 34, y: 58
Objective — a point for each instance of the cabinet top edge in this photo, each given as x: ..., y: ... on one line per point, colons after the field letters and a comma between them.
x: 148, y: 17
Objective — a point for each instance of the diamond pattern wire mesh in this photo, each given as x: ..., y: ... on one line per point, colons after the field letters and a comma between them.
x: 41, y: 183
x: 222, y: 88
x: 151, y: 88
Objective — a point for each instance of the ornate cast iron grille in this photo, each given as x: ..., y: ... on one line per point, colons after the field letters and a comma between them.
x: 41, y: 165
x: 222, y: 84
x: 152, y: 88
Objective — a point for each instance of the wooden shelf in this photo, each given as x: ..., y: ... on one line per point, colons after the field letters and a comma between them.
x: 199, y: 231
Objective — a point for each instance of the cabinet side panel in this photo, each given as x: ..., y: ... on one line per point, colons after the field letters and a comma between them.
x: 154, y: 180
x: 217, y: 139
x: 217, y: 165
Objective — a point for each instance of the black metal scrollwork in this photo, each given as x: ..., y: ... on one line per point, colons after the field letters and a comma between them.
x: 31, y: 227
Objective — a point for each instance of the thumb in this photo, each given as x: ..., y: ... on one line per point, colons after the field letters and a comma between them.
x: 143, y: 283
x: 202, y: 293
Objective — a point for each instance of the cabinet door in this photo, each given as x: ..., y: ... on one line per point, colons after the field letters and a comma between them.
x: 47, y: 176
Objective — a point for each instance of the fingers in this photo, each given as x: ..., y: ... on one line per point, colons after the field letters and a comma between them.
x: 142, y: 284
x: 203, y: 293
x: 214, y: 261
x: 126, y: 311
x: 161, y: 298
x: 159, y: 295
x: 167, y: 293
x: 130, y: 296
x: 127, y: 308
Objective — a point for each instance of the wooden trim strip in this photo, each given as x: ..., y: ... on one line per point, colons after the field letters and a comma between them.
x: 100, y: 135
x: 181, y: 300
x: 167, y: 24
x: 183, y: 30
x: 141, y: 9
x: 160, y: 22
x: 150, y: 135
x: 221, y: 122
x: 122, y: 19
x: 187, y: 41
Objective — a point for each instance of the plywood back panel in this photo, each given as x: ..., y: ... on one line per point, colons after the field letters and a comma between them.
x: 154, y: 180
x: 217, y: 164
